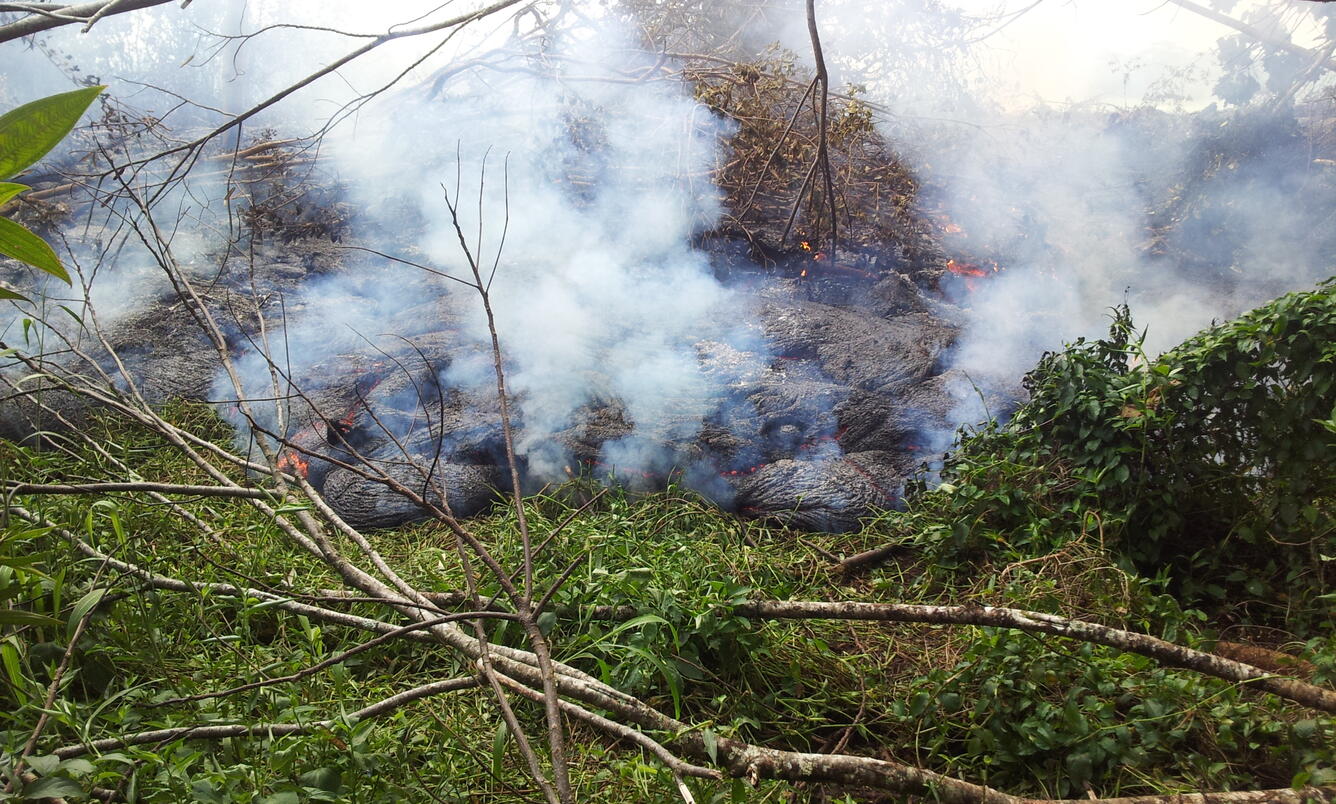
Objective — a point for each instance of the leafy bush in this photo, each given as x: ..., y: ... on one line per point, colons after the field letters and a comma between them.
x: 1215, y: 459
x: 1022, y: 713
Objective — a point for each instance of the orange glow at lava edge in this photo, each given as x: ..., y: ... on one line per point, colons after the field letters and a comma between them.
x: 294, y: 464
x: 966, y: 268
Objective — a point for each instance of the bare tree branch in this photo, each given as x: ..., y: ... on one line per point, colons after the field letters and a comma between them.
x: 376, y: 709
x: 1256, y: 33
x: 160, y: 488
x: 1164, y: 652
x: 45, y: 16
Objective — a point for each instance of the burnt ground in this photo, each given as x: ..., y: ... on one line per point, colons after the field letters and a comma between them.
x: 818, y: 426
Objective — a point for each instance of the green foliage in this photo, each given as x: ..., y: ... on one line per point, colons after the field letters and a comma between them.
x: 1218, y: 458
x: 647, y: 604
x: 26, y: 135
x: 30, y: 131
x: 1018, y: 712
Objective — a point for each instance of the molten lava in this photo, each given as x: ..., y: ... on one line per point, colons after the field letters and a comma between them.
x: 967, y: 269
x: 750, y: 470
x: 293, y: 464
x: 972, y: 271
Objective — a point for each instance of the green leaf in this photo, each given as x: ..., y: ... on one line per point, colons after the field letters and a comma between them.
x: 499, y: 749
x: 21, y: 244
x: 85, y: 605
x: 6, y: 293
x: 711, y: 741
x: 44, y: 765
x: 20, y: 617
x: 28, y: 132
x: 77, y: 766
x: 9, y: 657
x: 53, y: 787
x: 547, y: 621
x: 326, y: 779
x: 9, y: 189
x: 23, y: 562
x: 204, y: 793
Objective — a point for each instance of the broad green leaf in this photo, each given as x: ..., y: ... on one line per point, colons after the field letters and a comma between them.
x: 204, y: 793
x: 326, y: 779
x: 21, y: 617
x: 9, y: 189
x: 6, y: 293
x: 21, y: 244
x: 44, y: 765
x: 28, y: 132
x: 77, y: 766
x: 53, y: 787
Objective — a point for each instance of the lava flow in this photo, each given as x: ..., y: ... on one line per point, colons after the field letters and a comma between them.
x: 972, y: 271
x: 293, y: 464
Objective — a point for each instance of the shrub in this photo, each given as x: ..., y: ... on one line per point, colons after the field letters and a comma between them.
x: 1215, y: 459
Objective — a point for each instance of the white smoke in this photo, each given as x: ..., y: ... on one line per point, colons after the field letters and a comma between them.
x: 601, y: 178
x: 1048, y: 136
x: 583, y: 190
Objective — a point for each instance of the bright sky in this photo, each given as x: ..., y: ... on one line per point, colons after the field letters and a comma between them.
x: 1101, y: 50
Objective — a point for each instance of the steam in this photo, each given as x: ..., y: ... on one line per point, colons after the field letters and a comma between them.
x: 579, y: 184
x: 1107, y: 192
x: 577, y: 194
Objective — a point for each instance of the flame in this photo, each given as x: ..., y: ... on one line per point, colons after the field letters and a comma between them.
x: 967, y: 268
x: 805, y: 246
x: 803, y: 275
x: 294, y: 464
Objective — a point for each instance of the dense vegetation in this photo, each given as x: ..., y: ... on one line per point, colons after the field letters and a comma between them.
x: 1188, y: 496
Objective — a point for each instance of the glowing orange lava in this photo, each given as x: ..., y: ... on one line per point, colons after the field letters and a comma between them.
x: 742, y: 472
x: 293, y: 464
x: 966, y: 268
